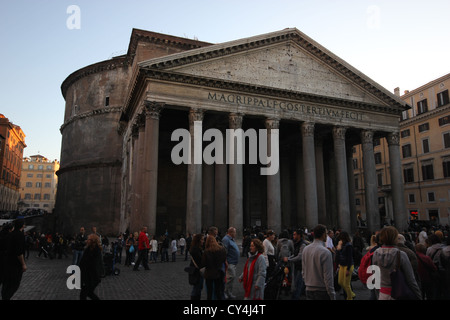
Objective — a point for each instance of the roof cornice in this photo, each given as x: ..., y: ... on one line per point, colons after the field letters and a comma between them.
x: 170, y: 76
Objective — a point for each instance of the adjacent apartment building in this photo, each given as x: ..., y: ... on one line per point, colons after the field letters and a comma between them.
x: 425, y: 154
x: 38, y: 183
x: 12, y: 145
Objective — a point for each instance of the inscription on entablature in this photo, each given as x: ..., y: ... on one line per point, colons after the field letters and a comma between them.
x: 289, y: 106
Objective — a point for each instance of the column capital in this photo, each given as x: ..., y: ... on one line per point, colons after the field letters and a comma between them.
x: 152, y: 109
x: 135, y: 130
x: 235, y: 120
x: 339, y: 132
x: 272, y: 123
x: 393, y: 139
x: 195, y: 114
x: 308, y: 129
x: 367, y: 136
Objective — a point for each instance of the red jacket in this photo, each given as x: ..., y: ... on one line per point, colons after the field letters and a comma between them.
x: 143, y: 241
x: 425, y: 265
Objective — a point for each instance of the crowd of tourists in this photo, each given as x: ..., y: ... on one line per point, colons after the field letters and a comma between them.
x: 306, y: 264
x: 317, y: 264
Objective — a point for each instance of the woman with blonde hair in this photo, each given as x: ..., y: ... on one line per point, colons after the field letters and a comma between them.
x: 91, y: 267
x: 213, y: 259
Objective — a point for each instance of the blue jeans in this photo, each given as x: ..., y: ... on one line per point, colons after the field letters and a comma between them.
x: 196, y: 292
x: 164, y: 254
x: 299, y: 286
x: 77, y: 254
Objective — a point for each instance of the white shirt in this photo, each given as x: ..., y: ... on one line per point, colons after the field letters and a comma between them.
x: 422, y: 237
x: 329, y: 243
x: 268, y: 250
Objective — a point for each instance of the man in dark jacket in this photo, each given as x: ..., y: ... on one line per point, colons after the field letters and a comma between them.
x: 80, y: 243
x: 14, y: 264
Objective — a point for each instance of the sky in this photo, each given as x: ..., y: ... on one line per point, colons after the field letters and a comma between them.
x: 397, y: 43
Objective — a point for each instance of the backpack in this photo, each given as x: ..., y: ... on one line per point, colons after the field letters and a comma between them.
x: 284, y: 249
x: 366, y: 261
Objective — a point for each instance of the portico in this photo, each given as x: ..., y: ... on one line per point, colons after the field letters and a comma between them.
x: 316, y: 104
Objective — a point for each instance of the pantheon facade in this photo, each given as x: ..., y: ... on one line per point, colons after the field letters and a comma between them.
x: 117, y: 170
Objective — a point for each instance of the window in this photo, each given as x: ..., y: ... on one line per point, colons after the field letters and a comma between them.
x: 46, y: 196
x: 406, y: 151
x: 27, y: 196
x: 380, y: 178
x: 446, y: 140
x: 40, y: 167
x: 408, y: 174
x: 427, y: 171
x: 38, y: 184
x: 355, y: 164
x: 39, y: 175
x: 425, y: 146
x: 424, y: 127
x: 37, y: 196
x: 378, y: 158
x: 405, y: 133
x: 356, y: 183
x: 30, y: 166
x: 446, y: 168
x: 29, y: 184
x: 47, y: 185
x: 422, y: 106
x: 106, y: 101
x: 411, y: 198
x: 442, y: 98
x: 48, y: 176
x: 29, y: 175
x: 431, y: 197
x: 358, y: 201
x: 444, y: 120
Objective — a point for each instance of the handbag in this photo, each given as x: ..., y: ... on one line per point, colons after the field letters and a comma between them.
x: 400, y: 289
x: 131, y: 249
x: 201, y: 270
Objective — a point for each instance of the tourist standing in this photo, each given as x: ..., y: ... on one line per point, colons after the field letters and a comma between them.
x: 213, y: 259
x: 386, y: 258
x: 143, y: 247
x: 91, y: 267
x: 196, y: 252
x: 254, y: 274
x: 317, y: 267
x: 233, y: 254
x: 344, y: 258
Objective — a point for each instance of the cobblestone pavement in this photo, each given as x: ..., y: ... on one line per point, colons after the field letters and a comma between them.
x: 46, y: 279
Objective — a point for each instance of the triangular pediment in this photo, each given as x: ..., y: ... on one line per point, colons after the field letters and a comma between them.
x: 285, y: 60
